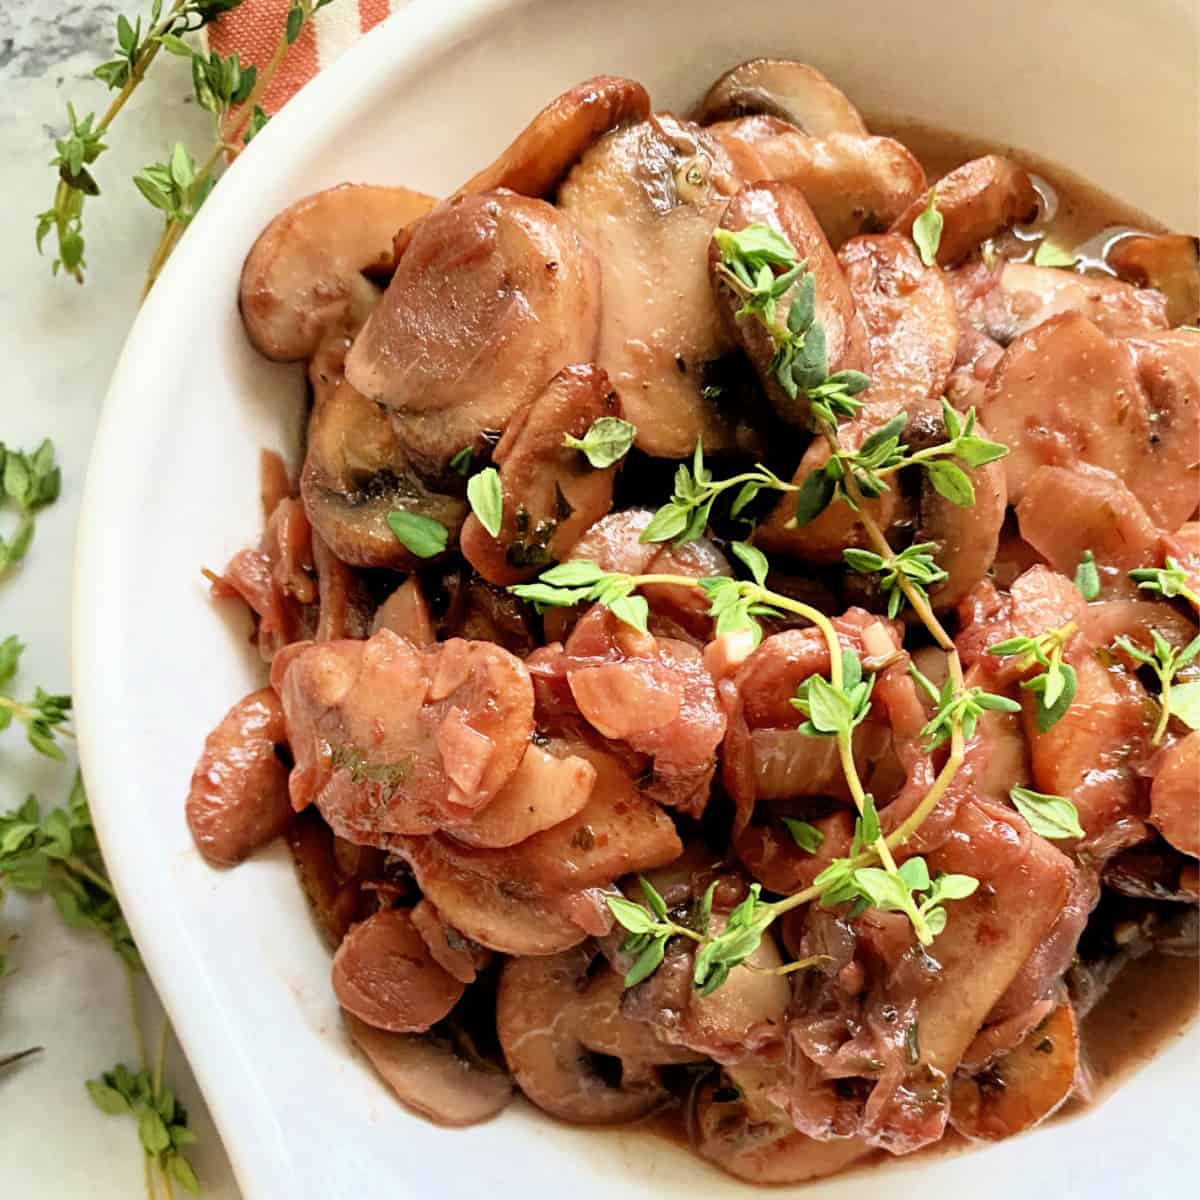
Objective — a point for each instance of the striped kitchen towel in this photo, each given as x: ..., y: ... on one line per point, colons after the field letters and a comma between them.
x: 253, y: 30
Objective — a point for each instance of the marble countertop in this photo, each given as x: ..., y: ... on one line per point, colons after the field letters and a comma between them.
x: 66, y: 990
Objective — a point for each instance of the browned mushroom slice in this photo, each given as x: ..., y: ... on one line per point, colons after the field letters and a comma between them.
x: 458, y: 955
x: 333, y: 897
x: 1024, y: 1087
x: 572, y: 1050
x: 493, y: 295
x: 1030, y: 295
x: 392, y: 738
x: 553, y: 141
x: 550, y: 786
x: 782, y: 207
x: 482, y: 612
x: 784, y: 88
x: 238, y: 799
x: 304, y: 275
x: 853, y: 184
x: 405, y: 612
x: 551, y: 492
x: 1175, y: 798
x: 1169, y: 263
x: 481, y: 908
x: 647, y: 198
x: 910, y: 318
x: 966, y: 536
x: 737, y: 1128
x: 384, y: 974
x: 356, y: 473
x: 428, y: 1074
x: 977, y: 201
x: 1066, y: 511
x: 1065, y: 393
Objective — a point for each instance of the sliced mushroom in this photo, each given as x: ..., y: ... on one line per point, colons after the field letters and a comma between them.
x: 783, y: 88
x: 304, y: 275
x: 1064, y: 392
x: 1169, y: 263
x: 391, y: 738
x: 782, y: 207
x: 356, y: 473
x: 1067, y: 511
x: 738, y: 1128
x: 238, y: 798
x: 572, y: 1051
x: 430, y: 1075
x: 1030, y: 295
x: 481, y: 612
x: 493, y: 295
x: 384, y: 974
x: 406, y: 613
x: 647, y: 198
x: 334, y: 898
x: 1024, y: 1087
x: 1175, y: 797
x: 854, y: 184
x: 910, y: 318
x: 977, y: 201
x: 966, y: 536
x: 459, y: 956
x: 481, y: 908
x: 542, y: 153
x: 551, y: 493
x: 550, y: 786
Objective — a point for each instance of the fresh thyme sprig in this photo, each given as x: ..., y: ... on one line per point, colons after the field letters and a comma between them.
x: 957, y: 706
x: 1169, y: 581
x: 177, y: 186
x: 883, y: 454
x: 28, y: 481
x: 1054, y: 685
x: 606, y: 442
x: 44, y: 717
x: 1180, y: 700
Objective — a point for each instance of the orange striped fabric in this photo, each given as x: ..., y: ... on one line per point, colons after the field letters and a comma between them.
x: 255, y: 27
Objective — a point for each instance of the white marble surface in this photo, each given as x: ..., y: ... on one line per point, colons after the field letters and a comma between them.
x: 66, y: 991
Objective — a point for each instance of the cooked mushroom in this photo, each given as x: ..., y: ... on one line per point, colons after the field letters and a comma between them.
x: 356, y: 473
x: 385, y: 975
x: 542, y: 153
x: 854, y: 184
x: 1022, y: 1088
x: 304, y: 275
x: 977, y: 201
x: 494, y: 294
x: 966, y: 536
x: 571, y: 1049
x: 392, y: 738
x: 459, y: 956
x: 782, y: 207
x: 647, y: 198
x: 430, y: 1075
x: 238, y: 798
x: 1064, y: 392
x: 910, y: 318
x: 783, y: 88
x: 334, y: 895
x: 551, y: 493
x: 1169, y: 263
x: 1174, y: 797
x: 406, y: 613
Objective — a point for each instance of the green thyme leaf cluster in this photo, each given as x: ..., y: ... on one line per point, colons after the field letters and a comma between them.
x: 162, y: 1122
x: 1169, y: 581
x: 1055, y: 683
x: 1181, y: 700
x: 28, y: 482
x: 605, y: 443
x: 43, y: 717
x: 963, y: 708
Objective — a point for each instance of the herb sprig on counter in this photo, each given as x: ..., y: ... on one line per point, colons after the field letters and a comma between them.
x: 44, y: 716
x: 29, y: 480
x: 178, y: 185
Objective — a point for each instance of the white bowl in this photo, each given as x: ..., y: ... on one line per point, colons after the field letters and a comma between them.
x: 1102, y: 86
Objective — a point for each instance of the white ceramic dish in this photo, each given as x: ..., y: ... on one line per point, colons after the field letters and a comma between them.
x: 1107, y: 88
